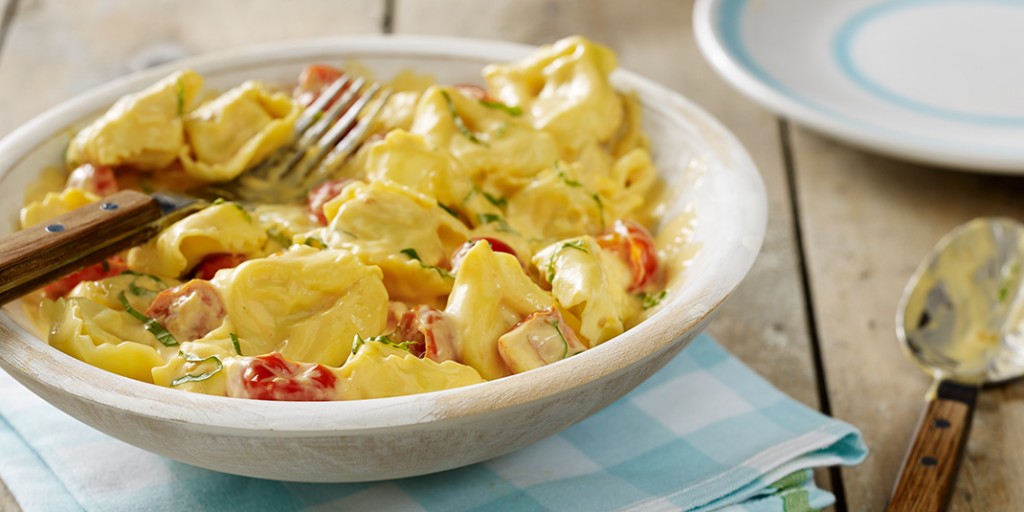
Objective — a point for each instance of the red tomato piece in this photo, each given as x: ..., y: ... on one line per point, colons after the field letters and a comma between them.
x: 273, y: 377
x: 109, y: 268
x: 312, y: 81
x: 431, y: 332
x: 98, y: 179
x: 188, y: 311
x: 635, y: 245
x: 214, y: 262
x: 496, y: 246
x: 321, y: 194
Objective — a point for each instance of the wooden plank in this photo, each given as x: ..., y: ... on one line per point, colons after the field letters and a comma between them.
x: 867, y: 222
x: 764, y: 323
x: 57, y: 49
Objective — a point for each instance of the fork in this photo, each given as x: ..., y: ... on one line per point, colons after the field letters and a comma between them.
x: 323, y: 139
x: 39, y: 254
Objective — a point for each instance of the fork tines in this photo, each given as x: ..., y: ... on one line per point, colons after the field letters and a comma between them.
x: 323, y: 140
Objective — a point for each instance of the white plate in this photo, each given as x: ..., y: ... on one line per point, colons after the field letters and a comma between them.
x: 935, y: 81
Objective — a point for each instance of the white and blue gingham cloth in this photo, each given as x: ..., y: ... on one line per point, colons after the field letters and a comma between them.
x: 704, y: 433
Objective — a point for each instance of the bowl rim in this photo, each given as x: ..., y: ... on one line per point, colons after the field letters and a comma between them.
x: 29, y: 359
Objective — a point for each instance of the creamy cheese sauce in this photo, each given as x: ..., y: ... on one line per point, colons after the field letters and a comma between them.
x: 479, y: 231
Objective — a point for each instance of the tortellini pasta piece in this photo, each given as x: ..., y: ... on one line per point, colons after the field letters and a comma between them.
x: 198, y: 367
x: 557, y: 205
x: 106, y: 338
x: 589, y: 283
x: 306, y: 303
x: 54, y: 204
x: 407, y: 234
x: 563, y: 89
x: 139, y: 290
x: 491, y: 295
x: 406, y: 159
x: 143, y: 130
x: 500, y: 151
x: 379, y: 370
x: 220, y: 228
x: 236, y: 130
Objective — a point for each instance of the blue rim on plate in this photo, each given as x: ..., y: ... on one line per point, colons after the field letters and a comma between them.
x: 903, y: 125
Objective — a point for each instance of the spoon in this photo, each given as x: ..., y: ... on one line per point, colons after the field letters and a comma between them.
x: 960, y: 318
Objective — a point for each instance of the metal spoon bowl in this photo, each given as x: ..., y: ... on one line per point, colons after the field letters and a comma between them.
x: 960, y: 319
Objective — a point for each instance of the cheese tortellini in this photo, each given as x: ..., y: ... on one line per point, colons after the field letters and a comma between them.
x: 477, y: 232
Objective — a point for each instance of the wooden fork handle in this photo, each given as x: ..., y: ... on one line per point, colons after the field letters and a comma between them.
x: 926, y: 479
x: 33, y: 257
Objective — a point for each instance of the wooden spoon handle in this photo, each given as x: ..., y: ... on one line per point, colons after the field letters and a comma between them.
x: 926, y: 478
x: 32, y: 257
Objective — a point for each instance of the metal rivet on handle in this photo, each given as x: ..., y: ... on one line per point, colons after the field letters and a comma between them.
x: 941, y: 423
x: 108, y: 206
x: 55, y: 228
x: 928, y: 460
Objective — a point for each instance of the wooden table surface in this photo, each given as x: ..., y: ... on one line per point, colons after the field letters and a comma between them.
x: 846, y: 228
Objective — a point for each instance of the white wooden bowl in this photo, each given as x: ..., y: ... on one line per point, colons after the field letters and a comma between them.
x: 709, y: 172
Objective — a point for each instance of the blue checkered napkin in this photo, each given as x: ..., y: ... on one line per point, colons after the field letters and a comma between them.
x: 705, y: 433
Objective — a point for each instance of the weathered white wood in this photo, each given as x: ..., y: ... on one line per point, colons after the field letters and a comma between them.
x: 57, y: 49
x: 868, y: 221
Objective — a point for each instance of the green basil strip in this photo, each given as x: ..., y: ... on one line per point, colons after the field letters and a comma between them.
x: 459, y: 123
x: 162, y: 334
x: 202, y: 376
x: 651, y: 300
x: 410, y: 252
x: 281, y: 240
x: 565, y: 343
x: 234, y: 343
x: 385, y: 339
x: 500, y: 202
x: 579, y: 245
x: 514, y: 111
x: 451, y: 211
x: 180, y: 90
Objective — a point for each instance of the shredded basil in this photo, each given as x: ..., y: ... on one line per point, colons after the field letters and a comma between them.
x: 651, y: 300
x: 162, y: 334
x: 281, y: 240
x: 137, y: 290
x: 565, y: 178
x: 202, y: 376
x: 106, y: 266
x: 412, y: 254
x: 565, y: 343
x: 234, y: 343
x: 451, y: 211
x: 385, y: 339
x: 180, y: 90
x: 579, y: 245
x: 459, y: 123
x: 500, y: 202
x: 315, y: 243
x: 245, y: 213
x: 487, y: 218
x: 514, y: 110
